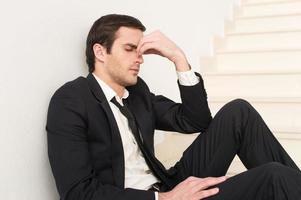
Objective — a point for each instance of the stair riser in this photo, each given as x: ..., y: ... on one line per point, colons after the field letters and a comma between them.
x: 261, y: 61
x: 255, y: 85
x: 274, y: 114
x: 271, y: 9
x: 284, y: 23
x: 253, y: 42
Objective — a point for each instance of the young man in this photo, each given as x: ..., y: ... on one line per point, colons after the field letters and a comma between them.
x: 100, y: 130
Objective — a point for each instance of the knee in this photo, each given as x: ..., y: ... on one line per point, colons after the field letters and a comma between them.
x: 274, y: 169
x: 272, y: 166
x: 237, y: 105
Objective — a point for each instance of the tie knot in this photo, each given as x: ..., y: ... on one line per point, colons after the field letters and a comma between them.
x: 114, y: 101
x: 123, y: 109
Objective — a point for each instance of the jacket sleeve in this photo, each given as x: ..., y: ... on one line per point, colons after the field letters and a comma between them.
x: 68, y: 152
x: 191, y: 116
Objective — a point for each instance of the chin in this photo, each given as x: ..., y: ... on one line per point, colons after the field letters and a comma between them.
x: 134, y: 81
x: 131, y: 82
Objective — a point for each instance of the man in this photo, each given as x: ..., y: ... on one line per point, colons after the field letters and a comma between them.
x: 100, y: 130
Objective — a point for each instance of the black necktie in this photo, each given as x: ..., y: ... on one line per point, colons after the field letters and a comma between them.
x: 150, y: 159
x: 131, y: 120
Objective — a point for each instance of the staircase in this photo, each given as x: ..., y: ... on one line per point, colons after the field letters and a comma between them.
x: 258, y: 59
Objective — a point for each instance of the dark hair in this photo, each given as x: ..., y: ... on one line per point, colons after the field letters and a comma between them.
x: 103, y: 32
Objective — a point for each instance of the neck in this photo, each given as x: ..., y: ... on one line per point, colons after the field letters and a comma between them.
x: 115, y: 86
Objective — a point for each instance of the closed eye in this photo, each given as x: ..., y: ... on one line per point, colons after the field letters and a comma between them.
x: 130, y: 47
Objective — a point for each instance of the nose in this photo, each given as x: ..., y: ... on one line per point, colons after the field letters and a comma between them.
x: 139, y: 59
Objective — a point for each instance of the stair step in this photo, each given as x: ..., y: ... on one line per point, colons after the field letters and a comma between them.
x: 253, y: 99
x: 274, y: 60
x: 177, y: 143
x: 272, y: 9
x: 257, y: 60
x: 260, y: 2
x: 264, y: 24
x: 215, y: 72
x: 259, y: 41
x: 275, y: 114
x: 259, y: 85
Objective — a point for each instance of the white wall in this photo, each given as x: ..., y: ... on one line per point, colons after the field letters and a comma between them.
x: 42, y: 46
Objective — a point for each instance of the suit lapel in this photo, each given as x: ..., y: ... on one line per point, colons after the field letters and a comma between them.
x: 117, y: 149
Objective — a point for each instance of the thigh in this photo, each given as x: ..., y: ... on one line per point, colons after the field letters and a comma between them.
x: 213, y: 151
x: 205, y: 157
x: 236, y: 129
x: 210, y: 154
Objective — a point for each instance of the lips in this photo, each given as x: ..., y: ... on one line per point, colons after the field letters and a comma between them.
x: 136, y: 70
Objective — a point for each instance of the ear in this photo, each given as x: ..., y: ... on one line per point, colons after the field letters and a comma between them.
x: 99, y: 52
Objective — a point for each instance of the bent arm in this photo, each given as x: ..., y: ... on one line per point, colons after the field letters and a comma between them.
x: 192, y: 115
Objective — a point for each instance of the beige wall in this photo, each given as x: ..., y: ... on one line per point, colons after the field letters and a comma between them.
x: 42, y: 46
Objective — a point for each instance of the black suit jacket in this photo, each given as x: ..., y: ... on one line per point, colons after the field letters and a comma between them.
x: 84, y: 144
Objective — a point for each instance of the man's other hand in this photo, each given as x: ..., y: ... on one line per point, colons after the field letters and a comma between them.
x: 193, y: 188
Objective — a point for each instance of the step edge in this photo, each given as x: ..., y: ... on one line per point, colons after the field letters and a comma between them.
x: 226, y: 52
x: 248, y: 73
x: 283, y: 132
x: 266, y: 16
x: 272, y: 2
x: 233, y: 34
x: 284, y: 100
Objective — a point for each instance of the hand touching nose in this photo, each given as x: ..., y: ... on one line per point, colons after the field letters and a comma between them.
x: 157, y: 43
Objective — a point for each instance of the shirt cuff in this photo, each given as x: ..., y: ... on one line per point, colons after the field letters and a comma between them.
x: 156, y: 196
x: 188, y: 78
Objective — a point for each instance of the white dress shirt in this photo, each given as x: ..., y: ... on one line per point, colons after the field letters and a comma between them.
x: 137, y: 173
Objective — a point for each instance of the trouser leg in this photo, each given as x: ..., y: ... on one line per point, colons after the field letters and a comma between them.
x: 272, y: 181
x: 236, y: 129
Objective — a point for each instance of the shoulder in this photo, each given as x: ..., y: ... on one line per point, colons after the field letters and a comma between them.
x: 72, y: 88
x: 69, y: 97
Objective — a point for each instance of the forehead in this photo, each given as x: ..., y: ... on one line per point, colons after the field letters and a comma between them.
x: 126, y: 35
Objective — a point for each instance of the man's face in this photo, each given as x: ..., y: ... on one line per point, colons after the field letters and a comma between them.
x: 122, y: 64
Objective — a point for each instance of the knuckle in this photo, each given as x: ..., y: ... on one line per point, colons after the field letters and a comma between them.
x: 210, y: 180
x: 206, y: 182
x: 190, y: 184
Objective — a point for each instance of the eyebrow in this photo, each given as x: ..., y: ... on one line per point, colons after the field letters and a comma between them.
x: 131, y: 45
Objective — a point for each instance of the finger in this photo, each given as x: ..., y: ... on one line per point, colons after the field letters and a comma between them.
x: 145, y: 39
x: 184, y: 188
x: 152, y: 51
x: 151, y: 37
x: 193, y: 178
x: 188, y: 183
x: 149, y: 47
x: 207, y: 193
x: 209, y: 182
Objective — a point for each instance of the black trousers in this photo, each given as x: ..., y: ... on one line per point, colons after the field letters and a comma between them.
x: 238, y: 129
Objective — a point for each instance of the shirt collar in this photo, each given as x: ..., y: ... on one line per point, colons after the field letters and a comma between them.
x: 109, y: 92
